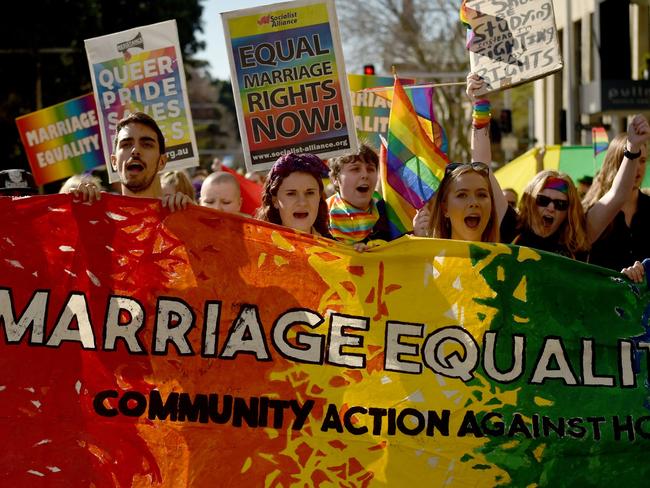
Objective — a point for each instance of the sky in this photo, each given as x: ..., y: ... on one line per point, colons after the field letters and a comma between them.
x: 215, y: 45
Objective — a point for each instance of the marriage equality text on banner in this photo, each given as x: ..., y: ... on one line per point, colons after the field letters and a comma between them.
x: 62, y: 140
x: 371, y: 111
x: 512, y: 42
x: 289, y: 81
x: 141, y: 70
x: 149, y: 348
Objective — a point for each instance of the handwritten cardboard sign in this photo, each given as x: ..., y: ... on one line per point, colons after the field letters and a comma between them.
x: 512, y: 42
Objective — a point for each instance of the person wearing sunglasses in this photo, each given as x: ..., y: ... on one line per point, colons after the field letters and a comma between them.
x: 540, y: 224
x: 293, y: 194
x: 570, y: 232
x: 551, y: 216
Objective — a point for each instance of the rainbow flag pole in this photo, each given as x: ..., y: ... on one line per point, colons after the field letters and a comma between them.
x: 413, y: 167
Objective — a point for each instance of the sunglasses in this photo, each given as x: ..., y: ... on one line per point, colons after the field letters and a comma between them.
x: 544, y: 201
x: 476, y: 166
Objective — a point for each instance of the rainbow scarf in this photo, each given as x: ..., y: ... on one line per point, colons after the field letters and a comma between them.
x: 350, y: 224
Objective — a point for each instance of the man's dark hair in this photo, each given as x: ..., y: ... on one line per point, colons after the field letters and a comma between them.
x: 144, y: 119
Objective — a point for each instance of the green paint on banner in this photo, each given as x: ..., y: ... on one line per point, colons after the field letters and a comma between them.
x: 559, y: 301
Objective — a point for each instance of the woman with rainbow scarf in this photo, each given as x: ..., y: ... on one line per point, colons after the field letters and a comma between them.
x: 357, y: 212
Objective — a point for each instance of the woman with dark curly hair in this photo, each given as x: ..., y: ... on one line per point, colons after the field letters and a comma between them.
x: 294, y: 196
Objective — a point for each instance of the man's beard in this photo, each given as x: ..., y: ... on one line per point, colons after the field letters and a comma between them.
x: 139, y: 185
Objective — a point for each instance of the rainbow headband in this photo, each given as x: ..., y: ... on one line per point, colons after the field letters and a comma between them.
x: 557, y: 184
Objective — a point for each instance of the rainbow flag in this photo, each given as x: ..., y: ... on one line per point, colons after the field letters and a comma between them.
x: 413, y: 166
x: 466, y: 14
x: 600, y: 140
x: 421, y: 97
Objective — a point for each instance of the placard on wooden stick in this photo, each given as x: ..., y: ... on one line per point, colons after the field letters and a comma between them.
x: 512, y: 43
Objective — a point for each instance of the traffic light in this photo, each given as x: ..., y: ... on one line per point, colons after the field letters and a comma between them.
x: 505, y: 121
x: 368, y: 69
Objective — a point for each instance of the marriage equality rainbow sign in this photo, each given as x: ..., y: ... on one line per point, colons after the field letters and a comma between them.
x: 143, y: 348
x: 62, y: 140
x: 370, y: 111
x: 141, y: 70
x: 289, y: 81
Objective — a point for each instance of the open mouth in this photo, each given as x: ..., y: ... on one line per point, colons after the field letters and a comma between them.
x: 135, y: 166
x: 300, y: 215
x: 547, y: 220
x: 363, y: 188
x: 472, y: 221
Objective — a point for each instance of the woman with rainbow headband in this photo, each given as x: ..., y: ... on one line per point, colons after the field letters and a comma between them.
x: 293, y: 194
x: 551, y: 217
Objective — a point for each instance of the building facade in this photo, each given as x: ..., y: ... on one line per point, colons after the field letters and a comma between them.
x: 606, y: 74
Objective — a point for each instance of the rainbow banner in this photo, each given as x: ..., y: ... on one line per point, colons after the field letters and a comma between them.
x: 600, y: 140
x: 414, y: 165
x: 141, y: 69
x: 289, y: 81
x: 62, y: 140
x: 142, y: 348
x: 371, y: 110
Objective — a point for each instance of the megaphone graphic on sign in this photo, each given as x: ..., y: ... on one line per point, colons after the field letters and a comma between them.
x: 123, y: 47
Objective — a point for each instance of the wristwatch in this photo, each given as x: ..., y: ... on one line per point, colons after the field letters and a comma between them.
x: 630, y: 155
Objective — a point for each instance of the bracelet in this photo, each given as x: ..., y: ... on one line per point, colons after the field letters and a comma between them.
x: 481, y: 114
x: 630, y: 155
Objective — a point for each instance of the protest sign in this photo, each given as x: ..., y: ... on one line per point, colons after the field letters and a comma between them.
x: 62, y: 140
x: 141, y: 69
x: 371, y: 111
x: 143, y: 348
x: 289, y: 81
x: 512, y: 42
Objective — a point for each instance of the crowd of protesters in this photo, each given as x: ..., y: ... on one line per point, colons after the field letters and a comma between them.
x: 607, y: 224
